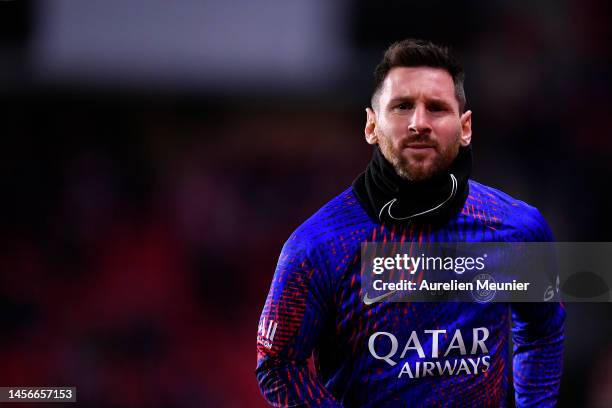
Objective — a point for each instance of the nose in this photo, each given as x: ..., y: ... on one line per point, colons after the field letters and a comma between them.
x: 419, y: 122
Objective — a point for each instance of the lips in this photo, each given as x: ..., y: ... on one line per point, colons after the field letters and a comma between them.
x: 420, y: 146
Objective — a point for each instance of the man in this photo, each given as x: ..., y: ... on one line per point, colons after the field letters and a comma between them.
x: 416, y: 188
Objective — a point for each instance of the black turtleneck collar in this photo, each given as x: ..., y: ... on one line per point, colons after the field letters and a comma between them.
x: 389, y: 198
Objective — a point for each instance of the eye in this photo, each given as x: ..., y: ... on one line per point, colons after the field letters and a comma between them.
x: 404, y: 106
x: 436, y: 107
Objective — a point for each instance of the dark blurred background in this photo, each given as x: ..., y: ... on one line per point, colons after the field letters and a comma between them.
x: 157, y: 155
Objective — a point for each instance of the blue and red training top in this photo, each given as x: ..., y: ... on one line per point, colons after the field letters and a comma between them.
x: 402, y: 354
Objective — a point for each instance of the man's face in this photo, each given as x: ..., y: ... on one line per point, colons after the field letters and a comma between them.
x: 416, y: 121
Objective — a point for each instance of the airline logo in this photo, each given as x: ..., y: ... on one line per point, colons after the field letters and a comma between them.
x: 266, y: 332
x: 436, y: 359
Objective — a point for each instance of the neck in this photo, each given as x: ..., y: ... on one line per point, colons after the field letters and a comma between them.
x: 392, y: 199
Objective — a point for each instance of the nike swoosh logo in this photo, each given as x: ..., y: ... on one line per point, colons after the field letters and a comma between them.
x: 368, y: 301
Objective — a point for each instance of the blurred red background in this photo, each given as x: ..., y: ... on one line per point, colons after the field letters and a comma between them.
x: 155, y: 159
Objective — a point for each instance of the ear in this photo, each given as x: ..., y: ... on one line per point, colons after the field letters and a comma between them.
x: 370, y: 127
x: 466, y: 128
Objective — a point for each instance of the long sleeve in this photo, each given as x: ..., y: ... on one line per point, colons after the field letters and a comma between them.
x: 293, y: 317
x: 538, y: 334
x: 538, y: 353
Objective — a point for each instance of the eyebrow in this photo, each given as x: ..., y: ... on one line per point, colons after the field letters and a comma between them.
x: 399, y: 99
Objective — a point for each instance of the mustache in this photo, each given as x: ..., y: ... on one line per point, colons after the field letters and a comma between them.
x: 420, y: 138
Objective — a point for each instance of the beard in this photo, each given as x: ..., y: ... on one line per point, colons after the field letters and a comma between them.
x: 415, y: 168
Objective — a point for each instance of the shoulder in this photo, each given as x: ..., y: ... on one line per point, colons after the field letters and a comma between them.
x: 511, y: 212
x: 342, y: 215
x: 342, y: 219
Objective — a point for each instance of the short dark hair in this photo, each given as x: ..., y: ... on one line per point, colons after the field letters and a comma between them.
x: 420, y: 53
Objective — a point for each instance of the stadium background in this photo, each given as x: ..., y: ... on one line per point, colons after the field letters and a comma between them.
x: 156, y: 156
